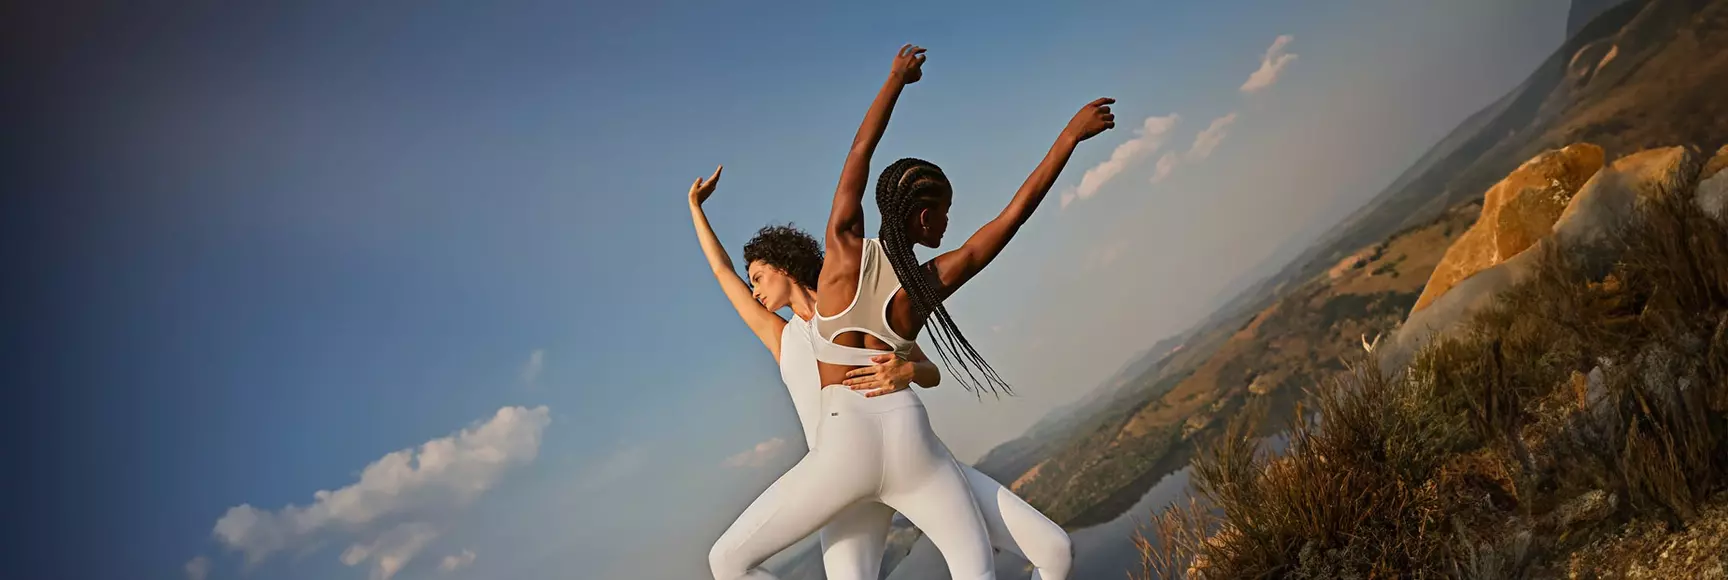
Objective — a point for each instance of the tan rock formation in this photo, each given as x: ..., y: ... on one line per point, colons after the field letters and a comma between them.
x: 1516, y: 212
x: 1712, y: 194
x: 1605, y: 203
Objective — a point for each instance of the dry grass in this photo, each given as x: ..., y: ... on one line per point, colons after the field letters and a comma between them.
x: 1577, y: 389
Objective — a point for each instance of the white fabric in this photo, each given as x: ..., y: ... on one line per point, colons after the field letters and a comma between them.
x: 878, y: 449
x: 854, y: 540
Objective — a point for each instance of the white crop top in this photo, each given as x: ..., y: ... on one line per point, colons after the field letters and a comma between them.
x: 868, y: 313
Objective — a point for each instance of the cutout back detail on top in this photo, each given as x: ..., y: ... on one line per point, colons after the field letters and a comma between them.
x: 868, y: 313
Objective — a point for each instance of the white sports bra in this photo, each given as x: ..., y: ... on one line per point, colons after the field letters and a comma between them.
x: 868, y: 313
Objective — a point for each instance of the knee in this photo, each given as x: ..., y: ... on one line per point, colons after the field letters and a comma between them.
x: 723, y: 563
x: 1055, y: 557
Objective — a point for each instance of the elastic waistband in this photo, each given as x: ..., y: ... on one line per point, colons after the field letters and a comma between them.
x: 843, y: 398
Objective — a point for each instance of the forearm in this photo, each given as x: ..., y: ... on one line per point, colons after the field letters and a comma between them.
x: 925, y: 374
x: 711, y: 248
x: 876, y: 119
x: 1038, y: 184
x: 848, y: 211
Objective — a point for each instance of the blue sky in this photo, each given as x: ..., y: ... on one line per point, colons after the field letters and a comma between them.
x: 260, y: 249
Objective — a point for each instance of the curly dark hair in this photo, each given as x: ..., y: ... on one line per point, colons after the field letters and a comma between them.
x: 789, y: 249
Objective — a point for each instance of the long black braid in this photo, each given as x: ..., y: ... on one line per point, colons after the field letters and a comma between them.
x: 903, y: 188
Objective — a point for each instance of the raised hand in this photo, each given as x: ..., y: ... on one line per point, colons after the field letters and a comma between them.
x: 909, y: 64
x: 1094, y: 118
x: 702, y: 188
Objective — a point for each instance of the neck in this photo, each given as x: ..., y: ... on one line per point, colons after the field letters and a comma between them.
x: 803, y: 302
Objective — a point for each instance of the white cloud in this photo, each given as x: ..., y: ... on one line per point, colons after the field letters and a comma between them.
x: 198, y: 568
x: 1205, y: 143
x: 1209, y: 139
x: 456, y: 562
x: 1271, y: 65
x: 531, y: 369
x: 1166, y: 165
x: 757, y: 456
x: 1148, y: 138
x: 388, y: 513
x: 392, y: 550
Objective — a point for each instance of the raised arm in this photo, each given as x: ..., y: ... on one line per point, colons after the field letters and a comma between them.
x: 846, y: 219
x: 767, y: 325
x: 957, y: 266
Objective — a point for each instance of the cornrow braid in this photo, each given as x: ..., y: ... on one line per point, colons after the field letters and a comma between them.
x: 903, y: 188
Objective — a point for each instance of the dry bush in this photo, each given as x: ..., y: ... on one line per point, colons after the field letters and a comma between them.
x: 1449, y: 468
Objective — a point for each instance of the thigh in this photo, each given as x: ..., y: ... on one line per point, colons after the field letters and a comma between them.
x: 932, y: 493
x: 852, y: 543
x: 795, y: 506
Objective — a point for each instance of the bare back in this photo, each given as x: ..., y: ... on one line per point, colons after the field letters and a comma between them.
x: 860, y: 306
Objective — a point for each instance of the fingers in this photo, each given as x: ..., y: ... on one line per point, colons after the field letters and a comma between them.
x: 1109, y: 125
x: 882, y: 358
x: 1109, y: 118
x: 861, y: 372
x: 716, y: 176
x: 1101, y: 101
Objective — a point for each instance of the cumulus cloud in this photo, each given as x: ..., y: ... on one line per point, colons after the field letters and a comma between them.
x: 456, y: 562
x: 1148, y: 138
x: 531, y: 369
x: 757, y: 456
x: 1271, y: 66
x: 198, y: 568
x: 1166, y: 165
x: 390, y: 513
x: 392, y: 550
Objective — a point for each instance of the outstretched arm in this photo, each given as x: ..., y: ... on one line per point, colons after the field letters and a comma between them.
x: 767, y: 325
x: 846, y: 219
x: 955, y: 267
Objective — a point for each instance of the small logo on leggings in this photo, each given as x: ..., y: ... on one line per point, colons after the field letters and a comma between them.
x: 833, y: 414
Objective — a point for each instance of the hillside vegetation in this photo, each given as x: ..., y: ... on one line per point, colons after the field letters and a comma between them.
x: 1578, y: 427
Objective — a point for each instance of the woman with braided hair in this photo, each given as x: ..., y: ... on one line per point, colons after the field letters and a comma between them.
x: 881, y: 448
x: 781, y: 264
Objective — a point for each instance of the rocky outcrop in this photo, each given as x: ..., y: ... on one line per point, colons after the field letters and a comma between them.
x: 1584, y: 231
x: 1712, y: 194
x: 1516, y: 212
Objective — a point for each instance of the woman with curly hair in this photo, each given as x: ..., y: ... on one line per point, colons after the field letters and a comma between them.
x: 882, y: 448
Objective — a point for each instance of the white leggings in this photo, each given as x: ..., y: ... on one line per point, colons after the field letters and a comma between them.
x: 877, y: 449
x: 853, y: 542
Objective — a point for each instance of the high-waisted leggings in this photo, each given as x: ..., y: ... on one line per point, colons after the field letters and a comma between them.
x: 879, y: 449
